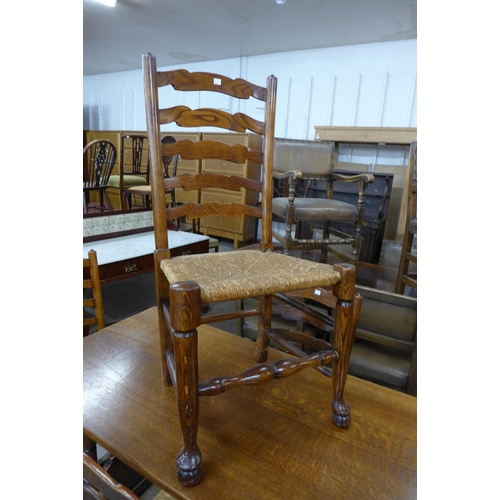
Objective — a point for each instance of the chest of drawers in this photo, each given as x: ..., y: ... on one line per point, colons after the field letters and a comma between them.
x: 240, y: 229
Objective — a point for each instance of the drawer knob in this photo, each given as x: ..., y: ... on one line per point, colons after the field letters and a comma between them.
x: 131, y: 268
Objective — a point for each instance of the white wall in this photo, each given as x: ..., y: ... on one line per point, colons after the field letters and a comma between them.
x: 358, y: 85
x: 371, y: 85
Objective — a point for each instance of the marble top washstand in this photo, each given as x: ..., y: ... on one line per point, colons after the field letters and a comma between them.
x: 125, y: 244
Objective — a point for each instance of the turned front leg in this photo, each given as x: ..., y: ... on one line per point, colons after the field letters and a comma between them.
x: 346, y: 316
x: 185, y: 310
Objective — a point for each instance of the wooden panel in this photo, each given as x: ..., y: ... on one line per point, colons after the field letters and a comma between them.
x: 397, y: 205
x: 377, y: 135
x: 223, y: 167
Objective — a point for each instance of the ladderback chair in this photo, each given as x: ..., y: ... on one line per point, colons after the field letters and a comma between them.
x: 186, y: 282
x: 407, y: 276
x: 306, y: 161
x: 99, y: 158
x: 134, y: 167
x: 94, y: 302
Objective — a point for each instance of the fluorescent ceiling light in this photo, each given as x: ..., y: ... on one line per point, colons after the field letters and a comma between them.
x: 109, y: 3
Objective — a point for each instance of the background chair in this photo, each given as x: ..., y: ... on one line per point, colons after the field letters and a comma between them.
x: 405, y: 275
x: 93, y: 283
x: 185, y: 283
x: 134, y: 168
x: 98, y: 161
x: 145, y: 189
x: 297, y: 160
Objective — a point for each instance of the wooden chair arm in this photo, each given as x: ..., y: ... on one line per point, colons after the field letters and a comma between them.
x: 294, y: 174
x: 366, y: 178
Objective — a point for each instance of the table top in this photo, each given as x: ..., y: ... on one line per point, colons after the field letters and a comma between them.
x: 270, y: 441
x: 136, y: 245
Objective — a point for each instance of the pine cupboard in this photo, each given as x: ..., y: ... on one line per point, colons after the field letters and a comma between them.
x: 240, y: 229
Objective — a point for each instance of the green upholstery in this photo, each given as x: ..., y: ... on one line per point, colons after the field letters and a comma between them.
x: 128, y: 181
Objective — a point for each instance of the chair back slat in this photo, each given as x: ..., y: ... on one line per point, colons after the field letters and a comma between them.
x: 204, y: 150
x: 215, y: 181
x: 184, y: 116
x: 196, y: 210
x: 191, y: 182
x: 187, y: 81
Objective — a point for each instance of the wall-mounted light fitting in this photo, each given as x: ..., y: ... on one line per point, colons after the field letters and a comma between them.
x: 280, y: 2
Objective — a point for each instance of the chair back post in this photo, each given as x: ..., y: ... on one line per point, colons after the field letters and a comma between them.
x: 95, y: 285
x: 155, y: 154
x: 267, y: 174
x: 96, y: 288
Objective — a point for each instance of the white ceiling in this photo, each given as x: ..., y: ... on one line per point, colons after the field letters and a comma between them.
x: 178, y: 31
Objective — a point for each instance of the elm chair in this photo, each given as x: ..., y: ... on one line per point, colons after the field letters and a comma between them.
x: 299, y: 160
x: 99, y: 158
x: 92, y: 282
x: 134, y: 167
x: 183, y: 283
x: 145, y: 190
x: 406, y: 275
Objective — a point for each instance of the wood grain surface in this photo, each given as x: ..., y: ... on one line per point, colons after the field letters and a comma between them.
x: 272, y: 441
